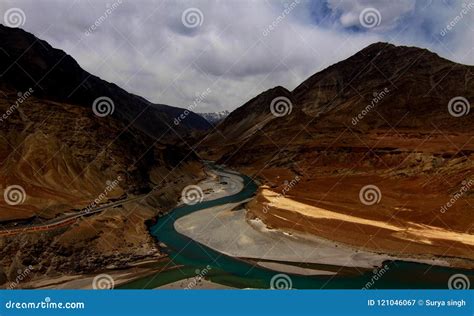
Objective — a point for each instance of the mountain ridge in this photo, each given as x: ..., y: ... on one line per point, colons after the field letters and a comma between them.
x: 27, y: 60
x: 318, y: 94
x: 60, y: 155
x: 215, y: 117
x: 392, y: 120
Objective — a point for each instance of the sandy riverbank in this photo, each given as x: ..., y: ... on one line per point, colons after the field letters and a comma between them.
x: 233, y: 235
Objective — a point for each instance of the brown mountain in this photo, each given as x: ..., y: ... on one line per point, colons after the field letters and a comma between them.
x: 242, y: 124
x: 65, y: 158
x: 392, y: 117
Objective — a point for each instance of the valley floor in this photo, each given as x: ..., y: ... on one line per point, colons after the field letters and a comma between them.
x: 230, y: 230
x: 234, y: 229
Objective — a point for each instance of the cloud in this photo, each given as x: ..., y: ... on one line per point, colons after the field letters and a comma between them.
x: 389, y: 12
x: 238, y: 48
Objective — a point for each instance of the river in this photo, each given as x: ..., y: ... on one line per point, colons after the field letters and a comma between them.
x: 191, y: 258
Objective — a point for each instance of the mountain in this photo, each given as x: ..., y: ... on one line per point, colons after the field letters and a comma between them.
x: 59, y: 154
x: 215, y: 117
x: 242, y: 124
x: 393, y: 121
x: 28, y: 62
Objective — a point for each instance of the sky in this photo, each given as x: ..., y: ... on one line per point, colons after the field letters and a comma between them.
x: 174, y: 52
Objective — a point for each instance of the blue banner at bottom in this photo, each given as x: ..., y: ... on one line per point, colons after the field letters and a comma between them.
x: 236, y: 302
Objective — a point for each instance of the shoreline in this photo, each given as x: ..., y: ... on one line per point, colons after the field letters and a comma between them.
x: 235, y: 235
x: 227, y: 216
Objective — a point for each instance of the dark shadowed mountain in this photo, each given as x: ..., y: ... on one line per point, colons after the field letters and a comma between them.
x: 28, y: 62
x: 56, y: 145
x: 60, y: 157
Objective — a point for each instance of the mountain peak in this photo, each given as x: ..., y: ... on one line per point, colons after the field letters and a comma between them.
x: 378, y: 46
x: 215, y: 117
x: 390, y: 50
x: 261, y: 103
x: 377, y: 66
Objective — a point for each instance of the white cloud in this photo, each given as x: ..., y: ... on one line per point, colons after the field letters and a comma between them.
x: 390, y: 11
x: 144, y: 47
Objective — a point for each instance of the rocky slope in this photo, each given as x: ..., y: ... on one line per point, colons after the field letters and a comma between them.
x: 393, y: 118
x: 242, y: 125
x: 58, y: 157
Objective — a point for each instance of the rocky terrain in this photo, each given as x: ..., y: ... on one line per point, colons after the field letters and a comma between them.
x: 59, y: 155
x: 391, y: 121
